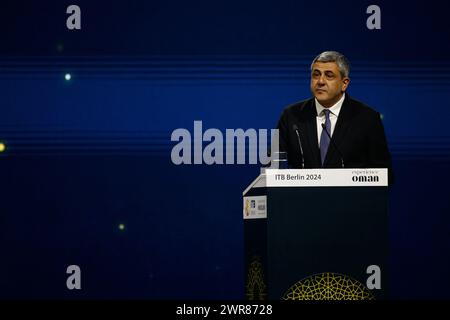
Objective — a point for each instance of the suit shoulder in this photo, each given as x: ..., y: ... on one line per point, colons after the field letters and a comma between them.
x: 296, y: 107
x: 363, y: 108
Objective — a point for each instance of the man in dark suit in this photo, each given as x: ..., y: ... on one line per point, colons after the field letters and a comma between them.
x: 357, y: 134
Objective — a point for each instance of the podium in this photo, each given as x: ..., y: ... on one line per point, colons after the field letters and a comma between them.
x: 317, y: 234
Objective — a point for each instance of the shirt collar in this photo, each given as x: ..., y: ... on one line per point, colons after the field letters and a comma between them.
x: 335, y: 109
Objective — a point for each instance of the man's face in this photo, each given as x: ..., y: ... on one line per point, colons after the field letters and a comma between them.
x: 327, y: 84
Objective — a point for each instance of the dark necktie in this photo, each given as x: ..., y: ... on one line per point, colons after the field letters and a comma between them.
x: 324, y: 138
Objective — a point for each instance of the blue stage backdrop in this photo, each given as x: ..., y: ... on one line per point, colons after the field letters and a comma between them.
x: 86, y: 117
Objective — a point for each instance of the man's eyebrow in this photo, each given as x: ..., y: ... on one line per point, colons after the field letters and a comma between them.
x: 325, y: 71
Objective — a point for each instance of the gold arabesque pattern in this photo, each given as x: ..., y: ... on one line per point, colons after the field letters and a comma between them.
x: 328, y: 286
x: 256, y: 287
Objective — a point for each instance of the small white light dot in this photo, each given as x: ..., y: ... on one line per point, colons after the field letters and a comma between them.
x: 68, y: 76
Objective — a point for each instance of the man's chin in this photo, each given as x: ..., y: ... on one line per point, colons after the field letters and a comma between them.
x: 321, y: 99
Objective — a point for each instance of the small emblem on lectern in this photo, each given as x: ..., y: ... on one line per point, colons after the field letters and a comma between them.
x: 247, y: 207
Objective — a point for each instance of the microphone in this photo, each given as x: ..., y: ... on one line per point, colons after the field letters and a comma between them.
x: 334, y: 144
x: 295, y: 127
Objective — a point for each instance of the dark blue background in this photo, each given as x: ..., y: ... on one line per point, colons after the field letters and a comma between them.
x: 86, y: 155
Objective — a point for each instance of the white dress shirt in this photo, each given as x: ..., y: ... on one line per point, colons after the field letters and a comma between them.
x: 334, y: 113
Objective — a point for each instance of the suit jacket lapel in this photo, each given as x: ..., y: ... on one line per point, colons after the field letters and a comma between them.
x: 311, y: 132
x: 342, y: 125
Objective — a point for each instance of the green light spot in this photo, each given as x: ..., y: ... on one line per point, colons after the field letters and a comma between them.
x: 60, y: 47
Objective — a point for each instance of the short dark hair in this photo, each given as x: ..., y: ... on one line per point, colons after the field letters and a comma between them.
x: 334, y: 56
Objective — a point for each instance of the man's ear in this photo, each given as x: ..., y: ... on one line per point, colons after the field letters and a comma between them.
x: 345, y: 84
